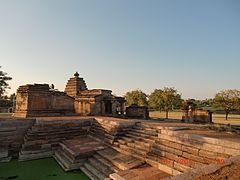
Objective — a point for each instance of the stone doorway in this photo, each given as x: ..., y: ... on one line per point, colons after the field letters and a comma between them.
x: 108, y: 107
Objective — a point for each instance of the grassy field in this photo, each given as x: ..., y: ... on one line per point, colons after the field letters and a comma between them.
x: 217, y: 118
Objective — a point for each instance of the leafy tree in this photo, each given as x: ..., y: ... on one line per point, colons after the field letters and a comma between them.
x: 155, y: 99
x: 3, y: 82
x: 165, y: 99
x: 191, y: 102
x: 227, y: 100
x: 136, y: 97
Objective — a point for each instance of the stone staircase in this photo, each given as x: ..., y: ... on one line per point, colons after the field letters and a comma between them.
x: 44, y: 137
x: 176, y: 151
x: 137, y: 141
x: 107, y: 131
x: 11, y: 137
x: 108, y: 161
x: 73, y: 153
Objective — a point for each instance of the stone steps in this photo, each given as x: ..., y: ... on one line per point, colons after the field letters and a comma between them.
x: 35, y: 136
x: 11, y: 136
x: 34, y: 155
x: 134, y: 137
x: 138, y: 151
x: 137, y: 134
x: 146, y: 127
x: 142, y: 172
x: 138, y: 147
x: 4, y: 155
x: 88, y: 173
x: 44, y: 136
x: 106, y: 162
x: 127, y: 152
x: 137, y: 141
x: 147, y: 132
x: 120, y: 160
x: 64, y: 162
x: 100, y: 166
x: 72, y: 154
x: 99, y: 175
x: 163, y: 167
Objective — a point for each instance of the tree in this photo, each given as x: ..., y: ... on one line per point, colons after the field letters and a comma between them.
x: 227, y: 100
x: 3, y: 82
x: 136, y: 97
x: 165, y: 99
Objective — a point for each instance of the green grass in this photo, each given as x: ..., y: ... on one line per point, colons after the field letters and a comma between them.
x: 42, y: 169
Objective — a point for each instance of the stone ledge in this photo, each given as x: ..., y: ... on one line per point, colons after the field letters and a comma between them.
x: 187, y: 135
x: 205, y: 170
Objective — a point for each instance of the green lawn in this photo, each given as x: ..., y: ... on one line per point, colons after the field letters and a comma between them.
x: 42, y: 169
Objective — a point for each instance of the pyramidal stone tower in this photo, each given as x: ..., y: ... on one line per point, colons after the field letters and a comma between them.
x: 75, y: 85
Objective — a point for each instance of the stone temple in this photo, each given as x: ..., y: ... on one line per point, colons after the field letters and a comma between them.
x: 113, y: 148
x: 39, y: 100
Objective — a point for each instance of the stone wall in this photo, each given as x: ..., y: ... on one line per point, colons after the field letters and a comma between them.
x: 86, y: 106
x: 12, y: 136
x: 45, y: 135
x: 196, y: 115
x: 177, y: 151
x: 37, y: 100
x: 137, y: 112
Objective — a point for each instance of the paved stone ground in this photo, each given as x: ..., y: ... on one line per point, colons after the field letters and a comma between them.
x: 144, y: 172
x: 230, y: 172
x: 83, y: 145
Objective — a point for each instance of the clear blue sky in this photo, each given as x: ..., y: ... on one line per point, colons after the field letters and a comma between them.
x: 123, y: 45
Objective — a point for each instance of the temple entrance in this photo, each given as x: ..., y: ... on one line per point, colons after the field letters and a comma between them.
x: 108, y: 107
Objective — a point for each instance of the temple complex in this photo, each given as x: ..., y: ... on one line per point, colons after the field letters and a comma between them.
x: 105, y: 146
x: 39, y: 100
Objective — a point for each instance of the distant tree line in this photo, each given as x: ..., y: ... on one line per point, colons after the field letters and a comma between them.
x: 168, y: 99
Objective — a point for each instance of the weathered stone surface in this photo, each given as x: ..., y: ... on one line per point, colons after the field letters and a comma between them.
x: 73, y: 153
x: 141, y: 173
x: 46, y: 134
x: 38, y: 100
x: 193, y: 157
x: 134, y: 142
x: 191, y: 150
x: 204, y: 170
x: 121, y: 161
x: 212, y: 155
x: 200, y: 145
x: 168, y: 149
x: 135, y: 111
x: 169, y: 143
x: 181, y: 167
